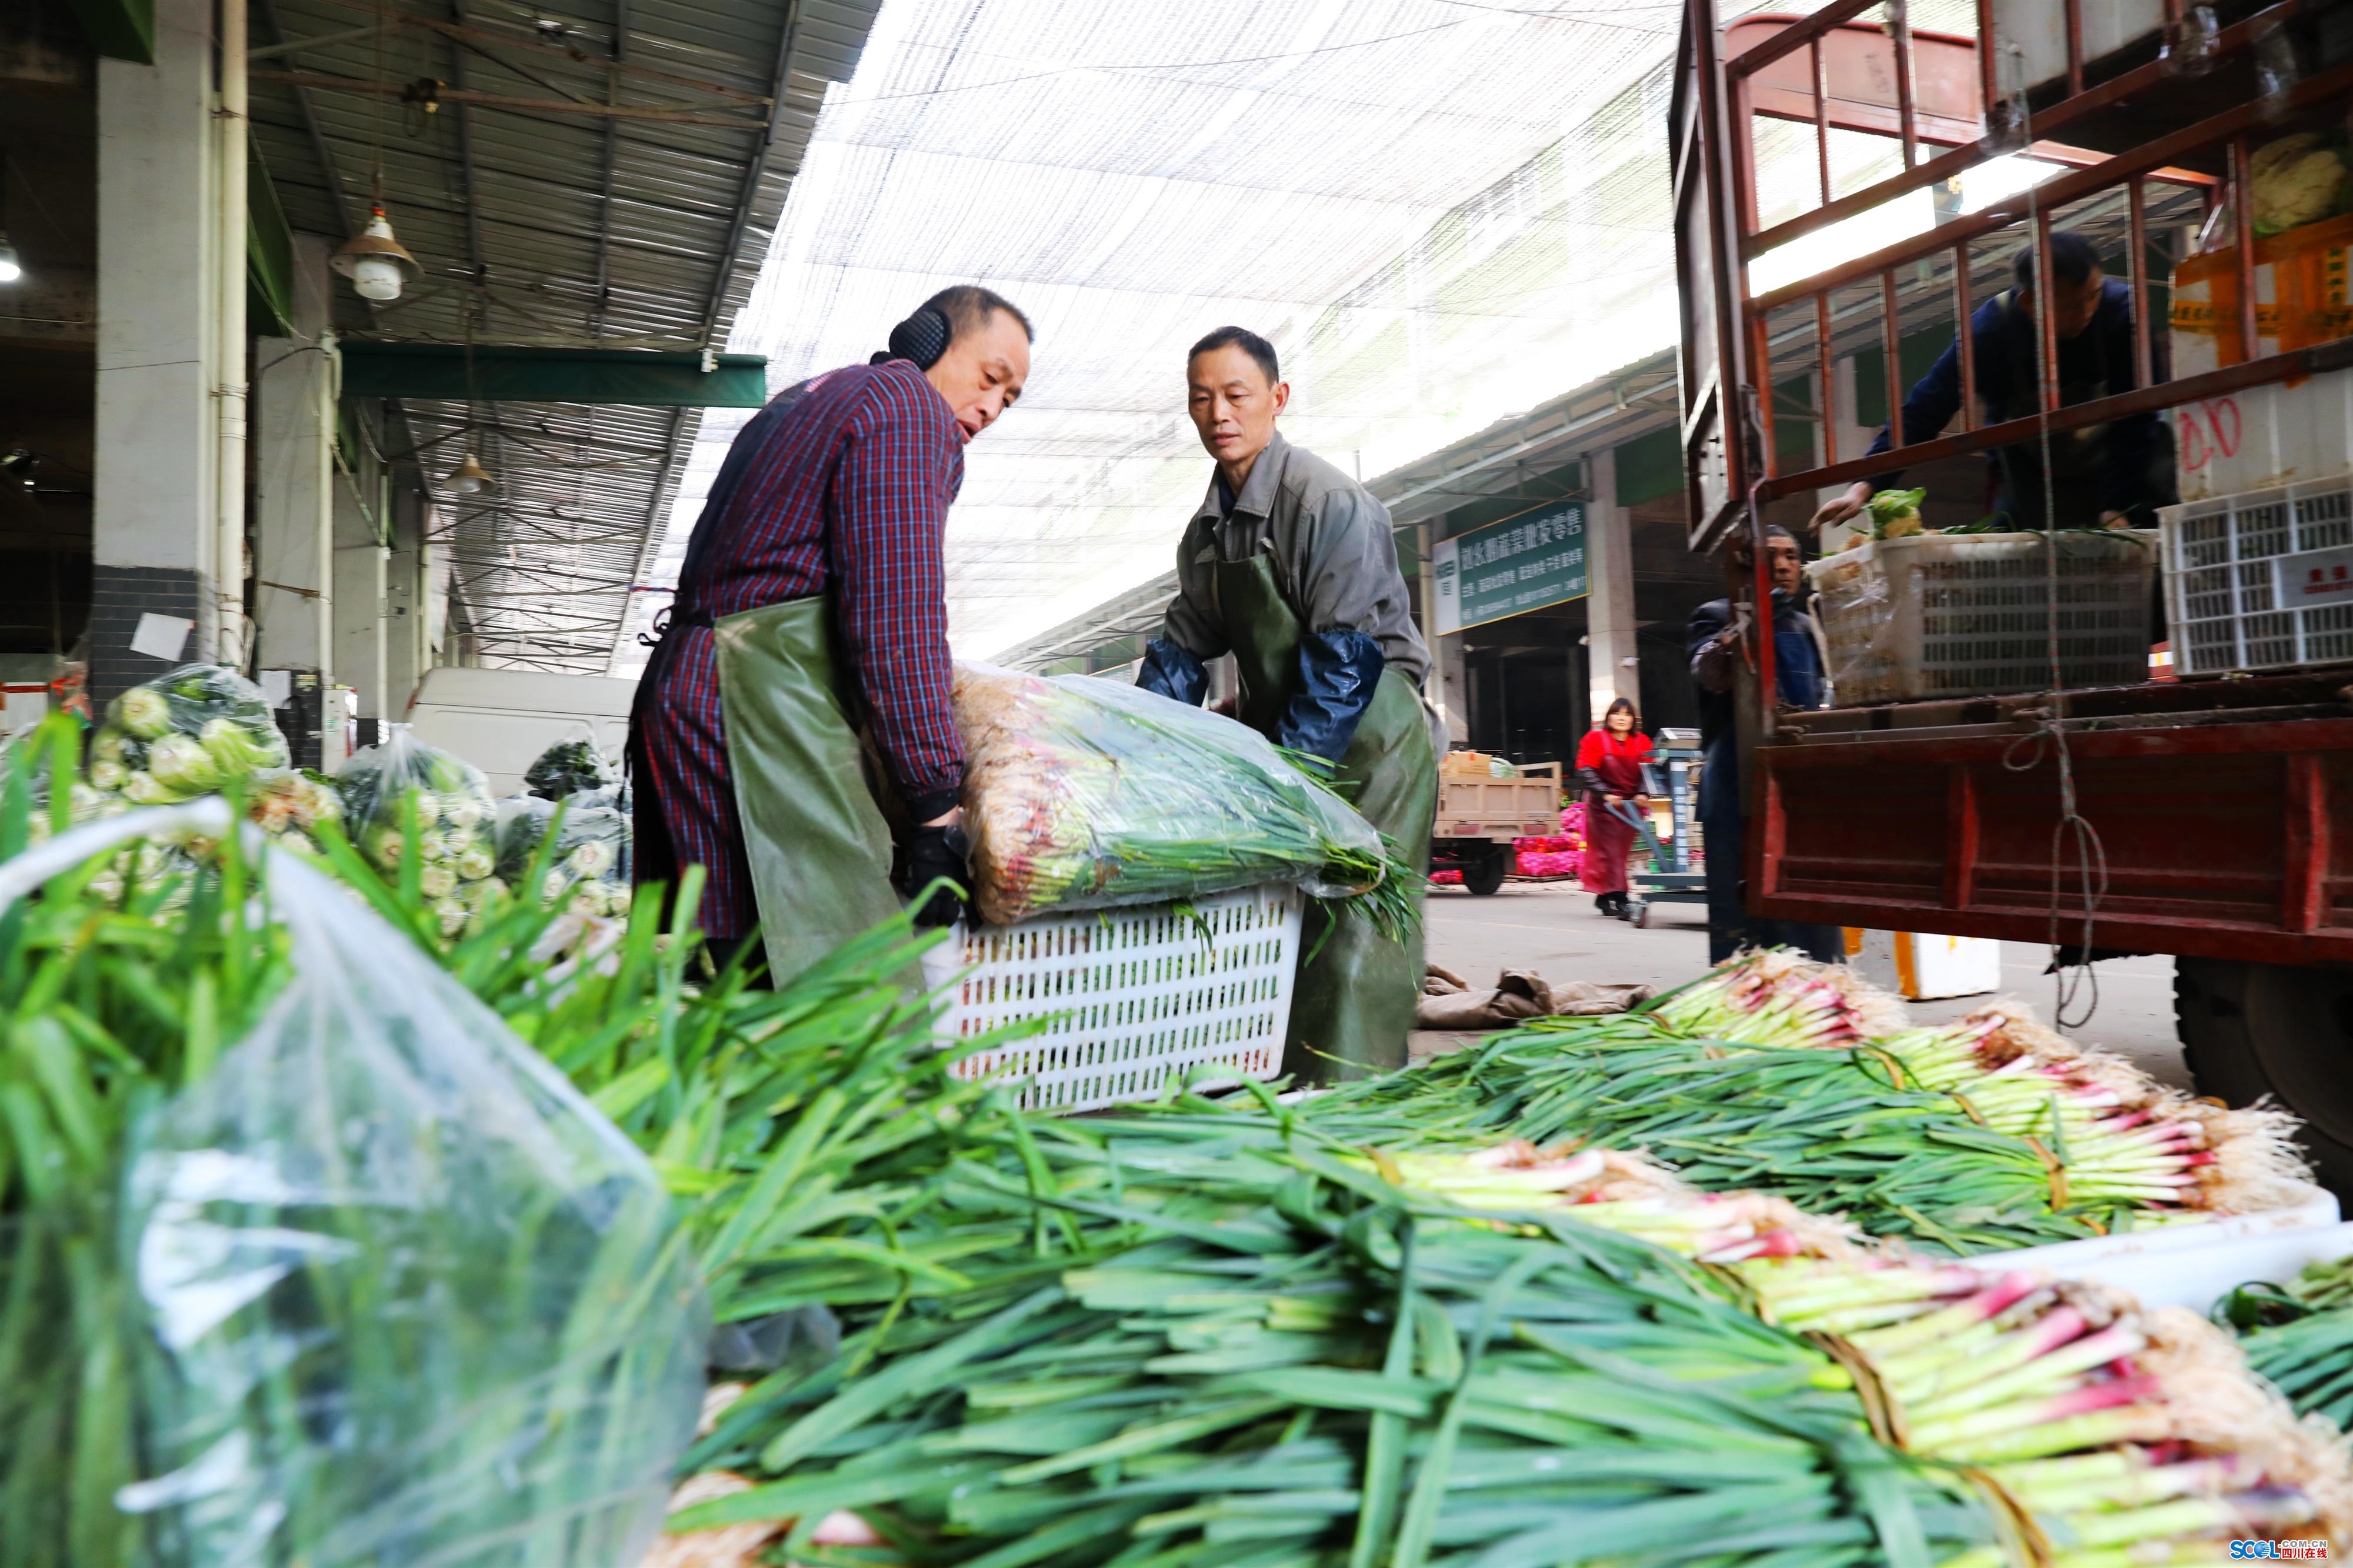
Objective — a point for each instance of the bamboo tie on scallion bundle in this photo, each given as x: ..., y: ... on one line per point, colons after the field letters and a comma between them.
x: 2112, y: 1427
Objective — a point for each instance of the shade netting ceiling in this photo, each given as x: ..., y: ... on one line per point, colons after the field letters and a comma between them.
x: 1442, y: 212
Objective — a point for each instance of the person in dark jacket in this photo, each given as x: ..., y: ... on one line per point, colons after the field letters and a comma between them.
x: 1290, y: 566
x: 2115, y: 474
x: 1716, y: 628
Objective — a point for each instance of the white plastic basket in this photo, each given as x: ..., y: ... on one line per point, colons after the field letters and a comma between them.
x: 1135, y: 996
x: 2263, y: 580
x: 2195, y: 1263
x: 1965, y: 615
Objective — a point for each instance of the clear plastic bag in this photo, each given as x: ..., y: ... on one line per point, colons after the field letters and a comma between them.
x: 1086, y: 793
x: 191, y: 732
x: 404, y: 1297
x: 289, y: 802
x: 456, y: 854
x: 567, y: 768
x: 589, y: 871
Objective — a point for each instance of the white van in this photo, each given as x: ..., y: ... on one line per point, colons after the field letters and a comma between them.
x: 500, y: 720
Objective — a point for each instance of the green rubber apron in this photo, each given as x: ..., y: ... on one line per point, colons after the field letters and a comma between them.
x: 1352, y: 1008
x: 818, y: 848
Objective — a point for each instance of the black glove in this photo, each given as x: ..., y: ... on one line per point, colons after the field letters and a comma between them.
x: 1174, y: 672
x: 932, y: 855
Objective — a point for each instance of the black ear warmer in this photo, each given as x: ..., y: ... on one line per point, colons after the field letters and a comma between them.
x: 921, y: 337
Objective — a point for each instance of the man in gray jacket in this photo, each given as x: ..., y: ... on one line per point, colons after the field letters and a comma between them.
x: 1290, y: 565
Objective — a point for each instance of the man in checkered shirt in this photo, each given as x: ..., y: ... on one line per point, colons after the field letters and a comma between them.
x: 839, y: 489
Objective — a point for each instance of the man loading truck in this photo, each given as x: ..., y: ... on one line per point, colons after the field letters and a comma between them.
x: 1290, y: 565
x: 2116, y: 474
x: 812, y: 607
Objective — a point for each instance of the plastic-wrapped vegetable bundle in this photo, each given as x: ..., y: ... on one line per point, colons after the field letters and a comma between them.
x: 404, y: 1295
x: 588, y: 869
x: 192, y: 732
x: 452, y: 826
x: 567, y: 768
x: 1084, y: 793
x: 292, y: 803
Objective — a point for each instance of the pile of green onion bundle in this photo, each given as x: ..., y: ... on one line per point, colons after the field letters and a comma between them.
x: 1824, y: 1129
x: 2120, y: 1430
x: 2118, y: 1134
x: 1629, y: 1194
x: 1429, y: 1359
x: 1988, y: 1134
x: 2301, y: 1336
x: 1775, y: 997
x: 1327, y: 1381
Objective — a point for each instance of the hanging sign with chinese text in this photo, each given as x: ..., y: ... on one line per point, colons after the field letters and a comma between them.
x: 1511, y: 567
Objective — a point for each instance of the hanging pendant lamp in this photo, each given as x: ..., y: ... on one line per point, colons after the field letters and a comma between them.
x: 374, y: 260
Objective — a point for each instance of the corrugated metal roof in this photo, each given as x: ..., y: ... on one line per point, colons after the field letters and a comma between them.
x: 552, y: 227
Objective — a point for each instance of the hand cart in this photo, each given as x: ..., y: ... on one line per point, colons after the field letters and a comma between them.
x: 1680, y: 886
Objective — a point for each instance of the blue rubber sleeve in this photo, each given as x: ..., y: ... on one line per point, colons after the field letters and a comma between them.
x: 1173, y: 672
x: 1338, y: 672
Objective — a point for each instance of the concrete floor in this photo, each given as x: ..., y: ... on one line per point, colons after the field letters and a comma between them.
x: 1550, y: 927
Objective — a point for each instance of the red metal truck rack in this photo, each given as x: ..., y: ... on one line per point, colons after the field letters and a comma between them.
x: 2219, y: 808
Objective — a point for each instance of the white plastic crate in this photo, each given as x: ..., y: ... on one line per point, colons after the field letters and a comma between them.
x: 2195, y: 1265
x: 1135, y: 996
x: 2261, y: 580
x: 1967, y: 615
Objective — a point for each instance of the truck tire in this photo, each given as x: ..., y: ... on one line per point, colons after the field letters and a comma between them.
x: 1485, y: 874
x: 2253, y: 1029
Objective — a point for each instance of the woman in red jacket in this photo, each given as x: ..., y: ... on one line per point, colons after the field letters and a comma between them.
x: 1610, y: 771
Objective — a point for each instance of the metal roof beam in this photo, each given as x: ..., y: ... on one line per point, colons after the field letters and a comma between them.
x: 268, y: 12
x: 604, y: 297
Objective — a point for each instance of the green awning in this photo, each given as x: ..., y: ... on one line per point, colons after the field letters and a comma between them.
x: 120, y: 29
x: 494, y: 374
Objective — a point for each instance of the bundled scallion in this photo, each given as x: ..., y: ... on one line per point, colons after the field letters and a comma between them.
x: 2300, y: 1336
x: 2119, y: 1428
x: 1775, y: 997
x: 1332, y: 1382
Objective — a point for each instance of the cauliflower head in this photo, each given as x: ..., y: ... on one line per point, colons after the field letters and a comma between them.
x: 2297, y: 181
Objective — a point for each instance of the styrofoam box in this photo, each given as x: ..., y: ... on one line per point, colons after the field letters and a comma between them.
x: 2261, y: 437
x: 2261, y: 580
x: 1133, y: 997
x: 2195, y: 1263
x: 1921, y: 967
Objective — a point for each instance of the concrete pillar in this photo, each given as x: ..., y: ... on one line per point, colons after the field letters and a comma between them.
x: 153, y: 527
x: 408, y: 642
x: 294, y: 480
x: 1448, y: 689
x: 1613, y: 666
x: 358, y: 654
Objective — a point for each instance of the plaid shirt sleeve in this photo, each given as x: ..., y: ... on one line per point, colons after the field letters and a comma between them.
x: 901, y: 464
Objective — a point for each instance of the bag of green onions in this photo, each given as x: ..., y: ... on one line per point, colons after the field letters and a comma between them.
x: 406, y: 792
x: 404, y: 1295
x: 1084, y: 793
x: 192, y: 732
